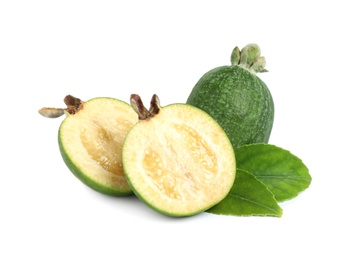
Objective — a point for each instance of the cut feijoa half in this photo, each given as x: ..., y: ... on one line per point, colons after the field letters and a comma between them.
x: 91, y: 139
x: 177, y: 159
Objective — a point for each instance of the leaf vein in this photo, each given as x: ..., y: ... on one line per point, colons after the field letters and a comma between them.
x: 282, y: 177
x: 254, y: 202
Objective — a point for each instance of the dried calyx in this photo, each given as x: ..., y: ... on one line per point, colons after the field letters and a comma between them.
x: 73, y: 106
x: 140, y: 109
x: 249, y: 58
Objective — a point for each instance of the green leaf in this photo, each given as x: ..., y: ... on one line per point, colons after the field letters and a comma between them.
x: 247, y: 197
x: 282, y: 172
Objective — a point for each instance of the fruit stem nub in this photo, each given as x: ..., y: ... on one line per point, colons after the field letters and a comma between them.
x: 140, y: 109
x: 73, y: 106
x: 249, y: 58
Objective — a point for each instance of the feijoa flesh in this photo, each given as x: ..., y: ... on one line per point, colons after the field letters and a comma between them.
x: 91, y: 139
x: 237, y: 98
x: 177, y: 159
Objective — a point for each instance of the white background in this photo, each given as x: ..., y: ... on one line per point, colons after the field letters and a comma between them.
x: 49, y: 49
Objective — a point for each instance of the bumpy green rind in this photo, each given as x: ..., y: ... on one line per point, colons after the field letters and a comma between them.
x: 239, y: 101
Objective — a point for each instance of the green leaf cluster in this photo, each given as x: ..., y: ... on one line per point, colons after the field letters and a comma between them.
x: 266, y: 175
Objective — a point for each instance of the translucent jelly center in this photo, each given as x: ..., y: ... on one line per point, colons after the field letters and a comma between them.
x: 181, y: 163
x: 104, y: 145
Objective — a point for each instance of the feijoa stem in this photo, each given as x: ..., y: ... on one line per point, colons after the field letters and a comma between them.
x: 73, y: 106
x: 249, y: 58
x: 140, y: 109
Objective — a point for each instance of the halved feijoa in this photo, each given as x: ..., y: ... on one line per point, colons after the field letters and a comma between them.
x: 91, y: 139
x: 177, y: 159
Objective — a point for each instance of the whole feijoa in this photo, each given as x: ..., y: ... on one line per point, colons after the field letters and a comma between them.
x: 237, y: 98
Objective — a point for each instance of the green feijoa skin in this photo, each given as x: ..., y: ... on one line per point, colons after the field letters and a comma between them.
x: 282, y: 172
x: 237, y: 98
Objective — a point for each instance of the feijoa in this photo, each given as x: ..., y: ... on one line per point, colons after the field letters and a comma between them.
x: 91, y: 139
x: 237, y: 98
x: 177, y: 158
